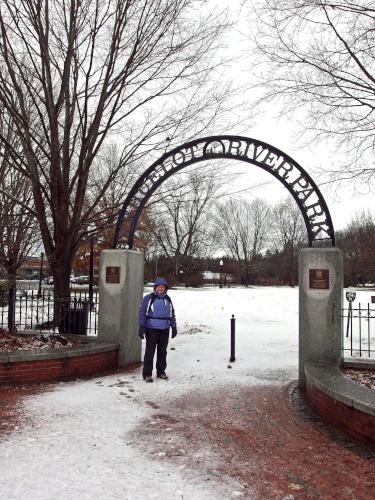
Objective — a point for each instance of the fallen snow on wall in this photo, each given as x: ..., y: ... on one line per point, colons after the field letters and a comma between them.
x: 78, y: 441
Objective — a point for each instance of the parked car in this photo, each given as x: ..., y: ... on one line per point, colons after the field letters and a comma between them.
x: 82, y: 280
x: 32, y: 277
x: 49, y: 280
x: 85, y: 280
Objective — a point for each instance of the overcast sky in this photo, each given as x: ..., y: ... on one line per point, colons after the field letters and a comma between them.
x: 343, y: 203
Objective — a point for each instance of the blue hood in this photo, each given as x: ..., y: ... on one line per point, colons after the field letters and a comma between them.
x: 160, y: 281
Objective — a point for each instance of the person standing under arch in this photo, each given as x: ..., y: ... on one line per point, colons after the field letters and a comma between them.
x: 156, y: 317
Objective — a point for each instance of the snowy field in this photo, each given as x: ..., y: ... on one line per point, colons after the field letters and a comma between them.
x: 78, y: 439
x: 266, y: 331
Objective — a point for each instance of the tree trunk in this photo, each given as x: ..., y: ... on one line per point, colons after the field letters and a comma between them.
x: 61, y: 278
x: 12, y: 304
x: 61, y: 269
x: 11, y: 269
x: 291, y: 266
x: 176, y: 269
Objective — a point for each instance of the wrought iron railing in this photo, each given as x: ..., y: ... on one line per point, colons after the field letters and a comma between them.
x: 43, y: 312
x: 359, y: 331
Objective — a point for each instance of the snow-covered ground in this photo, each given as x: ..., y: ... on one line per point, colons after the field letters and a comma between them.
x: 79, y: 440
x: 31, y: 311
x: 359, y: 330
x: 358, y: 336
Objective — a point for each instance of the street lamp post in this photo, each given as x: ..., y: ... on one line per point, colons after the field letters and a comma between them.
x: 221, y: 268
x: 91, y: 274
x: 40, y: 276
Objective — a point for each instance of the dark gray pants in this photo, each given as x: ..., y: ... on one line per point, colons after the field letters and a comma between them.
x: 155, y: 339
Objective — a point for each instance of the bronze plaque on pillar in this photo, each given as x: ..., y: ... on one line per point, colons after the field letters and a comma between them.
x: 319, y: 279
x: 112, y: 274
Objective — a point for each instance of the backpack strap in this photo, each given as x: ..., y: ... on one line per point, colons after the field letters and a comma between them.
x: 152, y: 300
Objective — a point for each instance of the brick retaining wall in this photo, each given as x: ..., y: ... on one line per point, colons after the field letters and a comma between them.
x: 29, y: 367
x: 342, y: 402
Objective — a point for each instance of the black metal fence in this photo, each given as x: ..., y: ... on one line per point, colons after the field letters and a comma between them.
x: 76, y: 314
x: 359, y: 331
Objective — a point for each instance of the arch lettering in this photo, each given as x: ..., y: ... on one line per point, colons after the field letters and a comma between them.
x: 296, y: 180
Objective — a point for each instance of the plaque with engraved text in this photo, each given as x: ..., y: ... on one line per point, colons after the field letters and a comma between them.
x: 112, y: 274
x: 319, y: 279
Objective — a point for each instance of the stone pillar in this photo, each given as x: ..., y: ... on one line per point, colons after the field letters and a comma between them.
x: 120, y: 295
x: 320, y: 302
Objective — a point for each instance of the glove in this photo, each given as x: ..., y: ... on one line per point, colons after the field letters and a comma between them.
x: 174, y: 332
x: 142, y: 331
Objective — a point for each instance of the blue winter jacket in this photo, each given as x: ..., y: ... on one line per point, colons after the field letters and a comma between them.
x: 157, y: 311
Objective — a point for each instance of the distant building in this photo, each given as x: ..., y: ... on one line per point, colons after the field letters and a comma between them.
x: 211, y: 277
x: 31, y: 268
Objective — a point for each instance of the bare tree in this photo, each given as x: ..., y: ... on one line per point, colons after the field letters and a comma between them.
x: 288, y: 235
x: 357, y: 242
x: 19, y: 233
x: 76, y: 74
x: 319, y: 59
x: 241, y: 229
x: 182, y: 220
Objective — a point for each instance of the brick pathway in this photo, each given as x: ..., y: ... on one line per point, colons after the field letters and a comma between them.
x: 263, y: 436
x: 11, y: 412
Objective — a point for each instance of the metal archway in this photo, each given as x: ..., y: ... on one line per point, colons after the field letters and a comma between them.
x: 296, y: 180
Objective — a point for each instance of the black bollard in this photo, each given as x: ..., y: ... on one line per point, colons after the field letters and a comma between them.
x: 232, y: 339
